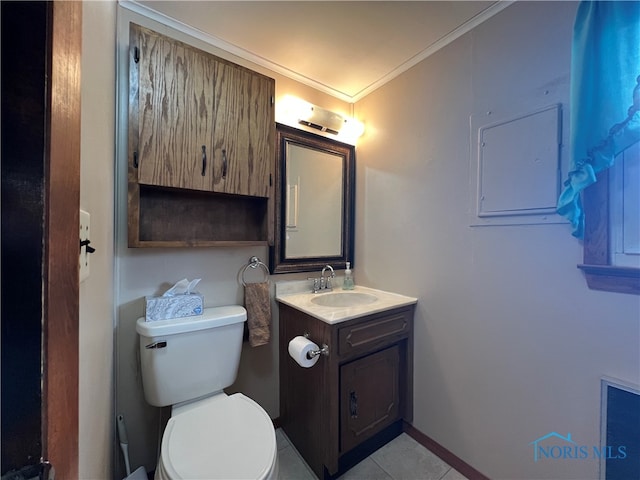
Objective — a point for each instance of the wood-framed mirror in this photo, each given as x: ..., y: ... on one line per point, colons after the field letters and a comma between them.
x: 314, y: 202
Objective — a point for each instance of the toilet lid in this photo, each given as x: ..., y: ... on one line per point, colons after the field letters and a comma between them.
x: 221, y: 437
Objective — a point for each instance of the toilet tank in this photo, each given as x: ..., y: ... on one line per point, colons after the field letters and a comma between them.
x: 185, y: 358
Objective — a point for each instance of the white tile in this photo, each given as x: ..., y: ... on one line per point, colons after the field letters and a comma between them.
x: 453, y: 474
x: 366, y: 470
x: 401, y: 459
x: 405, y: 459
x: 281, y: 439
x: 292, y: 467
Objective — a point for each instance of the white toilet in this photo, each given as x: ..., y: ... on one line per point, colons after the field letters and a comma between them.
x: 186, y: 362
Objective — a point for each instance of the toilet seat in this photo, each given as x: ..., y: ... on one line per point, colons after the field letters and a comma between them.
x: 220, y: 437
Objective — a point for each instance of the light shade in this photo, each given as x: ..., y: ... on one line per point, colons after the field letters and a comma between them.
x: 322, y: 119
x: 294, y: 111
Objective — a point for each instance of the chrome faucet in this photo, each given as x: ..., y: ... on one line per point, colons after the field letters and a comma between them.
x: 327, y: 281
x: 323, y: 283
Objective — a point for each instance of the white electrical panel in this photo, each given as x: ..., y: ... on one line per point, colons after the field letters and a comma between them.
x: 515, y: 167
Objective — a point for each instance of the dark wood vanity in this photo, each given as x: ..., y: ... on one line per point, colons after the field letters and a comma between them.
x: 353, y: 400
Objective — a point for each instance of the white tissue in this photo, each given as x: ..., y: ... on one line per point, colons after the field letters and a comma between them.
x: 183, y: 287
x: 178, y: 301
x: 299, y: 348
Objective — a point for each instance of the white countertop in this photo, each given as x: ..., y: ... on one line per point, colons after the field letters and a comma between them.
x: 290, y: 294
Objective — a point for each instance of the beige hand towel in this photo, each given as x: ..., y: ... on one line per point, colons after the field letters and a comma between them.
x: 258, y: 305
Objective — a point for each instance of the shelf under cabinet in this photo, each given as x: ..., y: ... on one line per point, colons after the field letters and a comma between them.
x: 164, y: 217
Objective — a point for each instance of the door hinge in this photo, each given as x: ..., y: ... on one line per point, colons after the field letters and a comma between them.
x: 136, y: 54
x: 270, y: 180
x: 273, y: 100
x: 135, y: 159
x: 48, y: 472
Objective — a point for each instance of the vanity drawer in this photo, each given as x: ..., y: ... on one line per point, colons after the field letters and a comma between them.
x: 382, y: 330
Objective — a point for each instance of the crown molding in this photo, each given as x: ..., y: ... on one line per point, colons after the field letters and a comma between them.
x: 247, y: 55
x: 466, y: 27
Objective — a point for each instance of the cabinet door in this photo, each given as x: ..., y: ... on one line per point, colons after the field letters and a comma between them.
x: 245, y: 130
x: 369, y: 396
x: 175, y: 112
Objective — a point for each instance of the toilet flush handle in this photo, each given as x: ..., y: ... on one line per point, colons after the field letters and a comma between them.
x: 156, y: 345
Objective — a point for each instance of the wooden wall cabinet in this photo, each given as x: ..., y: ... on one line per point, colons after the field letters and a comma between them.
x: 201, y: 146
x: 354, y: 400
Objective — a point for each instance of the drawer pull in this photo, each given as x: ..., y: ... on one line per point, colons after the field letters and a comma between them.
x: 224, y: 164
x: 204, y: 160
x: 353, y: 405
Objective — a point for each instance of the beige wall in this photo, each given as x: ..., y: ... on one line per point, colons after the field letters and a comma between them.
x: 96, y: 196
x: 510, y: 344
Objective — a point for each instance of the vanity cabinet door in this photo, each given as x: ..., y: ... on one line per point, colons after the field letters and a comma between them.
x: 369, y: 396
x: 245, y: 132
x: 176, y: 108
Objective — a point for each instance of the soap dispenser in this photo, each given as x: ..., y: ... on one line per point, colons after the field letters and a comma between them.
x: 348, y: 284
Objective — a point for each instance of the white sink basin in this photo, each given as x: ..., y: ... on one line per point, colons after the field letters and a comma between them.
x: 340, y: 305
x: 344, y: 299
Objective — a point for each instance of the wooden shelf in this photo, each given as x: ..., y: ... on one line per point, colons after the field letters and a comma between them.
x: 163, y: 217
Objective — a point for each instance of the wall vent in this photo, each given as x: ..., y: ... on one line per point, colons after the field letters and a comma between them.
x: 620, y: 427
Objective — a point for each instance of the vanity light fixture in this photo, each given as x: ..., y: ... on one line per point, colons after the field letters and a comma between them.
x: 352, y: 129
x: 321, y: 119
x: 294, y: 111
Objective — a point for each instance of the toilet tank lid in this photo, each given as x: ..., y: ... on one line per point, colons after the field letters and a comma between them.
x: 211, y: 317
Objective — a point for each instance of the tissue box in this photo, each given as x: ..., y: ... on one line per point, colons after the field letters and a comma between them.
x: 174, y: 306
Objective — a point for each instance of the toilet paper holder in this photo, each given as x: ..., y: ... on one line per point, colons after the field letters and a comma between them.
x: 324, y: 350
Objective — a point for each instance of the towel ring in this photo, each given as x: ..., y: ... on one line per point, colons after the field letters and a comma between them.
x: 254, y: 262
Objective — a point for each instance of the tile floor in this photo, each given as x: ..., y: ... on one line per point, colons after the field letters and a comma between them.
x: 401, y: 459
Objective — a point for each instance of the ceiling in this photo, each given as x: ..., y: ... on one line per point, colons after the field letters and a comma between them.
x: 344, y: 48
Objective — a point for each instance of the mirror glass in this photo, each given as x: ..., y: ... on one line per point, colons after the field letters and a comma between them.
x: 314, y: 202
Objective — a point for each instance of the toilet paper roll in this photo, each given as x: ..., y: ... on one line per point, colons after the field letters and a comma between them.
x: 299, y: 348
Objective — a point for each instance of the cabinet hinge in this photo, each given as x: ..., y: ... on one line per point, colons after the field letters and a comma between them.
x: 135, y: 159
x: 136, y: 54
